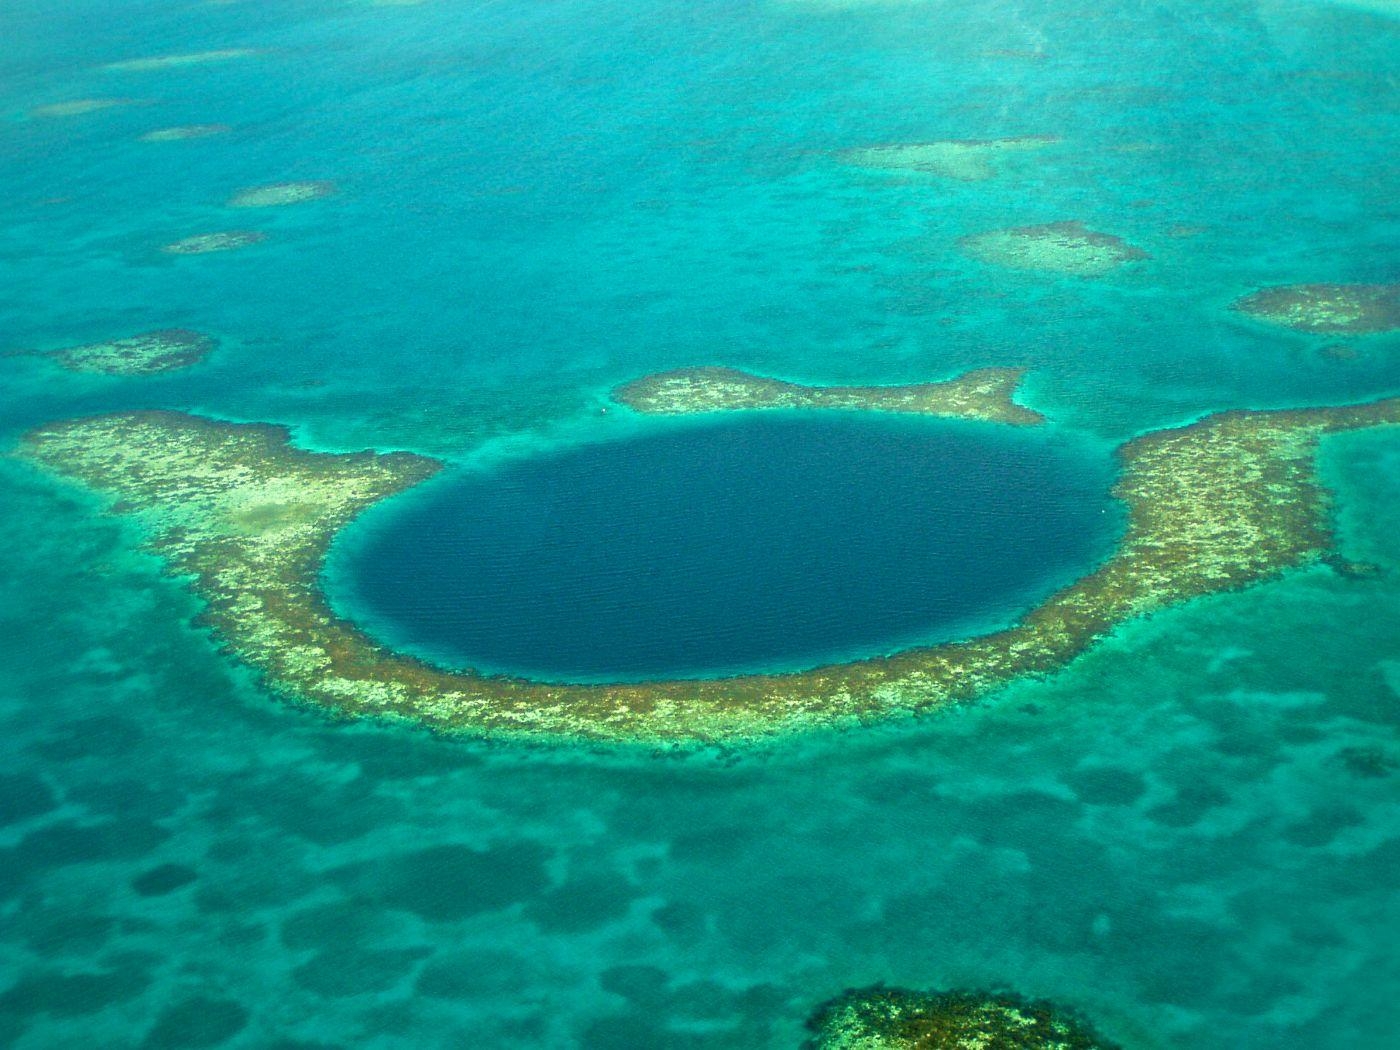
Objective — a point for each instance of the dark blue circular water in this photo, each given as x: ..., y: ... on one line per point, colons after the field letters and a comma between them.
x: 752, y: 542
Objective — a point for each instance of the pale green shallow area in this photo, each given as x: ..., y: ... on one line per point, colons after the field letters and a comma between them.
x: 1191, y: 835
x: 1165, y: 836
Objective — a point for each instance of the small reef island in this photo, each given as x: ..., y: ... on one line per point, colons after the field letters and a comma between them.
x: 1355, y: 309
x: 983, y: 394
x: 150, y: 353
x: 896, y: 1019
x: 1218, y: 504
x: 1058, y: 247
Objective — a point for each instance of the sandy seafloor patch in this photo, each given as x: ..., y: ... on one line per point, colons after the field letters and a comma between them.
x: 537, y: 202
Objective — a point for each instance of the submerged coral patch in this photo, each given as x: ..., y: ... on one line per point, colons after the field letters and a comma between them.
x: 78, y: 107
x: 965, y: 160
x: 184, y: 132
x: 281, y: 193
x: 164, y: 350
x: 1057, y: 247
x: 1220, y: 504
x: 225, y: 241
x: 193, y: 58
x: 1350, y: 308
x: 986, y: 393
x: 895, y: 1019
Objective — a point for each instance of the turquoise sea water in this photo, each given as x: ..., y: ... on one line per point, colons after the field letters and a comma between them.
x: 1192, y: 834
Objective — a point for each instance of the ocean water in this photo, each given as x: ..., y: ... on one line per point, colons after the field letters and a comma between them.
x: 1192, y: 834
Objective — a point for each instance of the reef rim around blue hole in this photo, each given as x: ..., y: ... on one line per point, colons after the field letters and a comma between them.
x: 773, y: 541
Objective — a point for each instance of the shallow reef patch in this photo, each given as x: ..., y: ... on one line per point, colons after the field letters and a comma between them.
x: 279, y: 194
x: 163, y: 350
x: 341, y: 972
x: 23, y: 796
x: 1347, y: 308
x: 966, y: 160
x: 1367, y: 762
x: 199, y: 1021
x: 78, y: 107
x: 882, y: 1018
x: 986, y: 393
x: 193, y: 58
x: 450, y: 882
x: 184, y: 132
x: 67, y: 994
x: 225, y: 241
x: 163, y: 879
x: 1056, y: 247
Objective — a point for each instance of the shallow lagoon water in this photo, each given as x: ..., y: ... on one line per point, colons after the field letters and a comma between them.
x: 1190, y: 834
x: 744, y: 544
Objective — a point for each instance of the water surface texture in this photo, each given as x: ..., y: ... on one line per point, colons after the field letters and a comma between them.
x: 1192, y: 834
x: 745, y: 545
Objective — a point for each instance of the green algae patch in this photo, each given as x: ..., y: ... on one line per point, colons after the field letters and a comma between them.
x: 149, y: 353
x: 279, y: 194
x: 224, y: 241
x: 1225, y: 502
x: 895, y: 1019
x: 966, y: 160
x: 983, y: 394
x: 185, y: 132
x: 193, y: 58
x: 78, y: 107
x: 1349, y: 308
x: 1056, y: 247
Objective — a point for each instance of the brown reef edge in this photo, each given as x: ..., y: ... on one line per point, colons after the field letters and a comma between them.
x: 149, y: 353
x: 1212, y: 506
x: 986, y: 393
x: 882, y: 1018
x: 1352, y: 309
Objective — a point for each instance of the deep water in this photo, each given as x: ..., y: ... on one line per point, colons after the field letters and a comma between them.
x: 1192, y: 834
x: 749, y: 543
